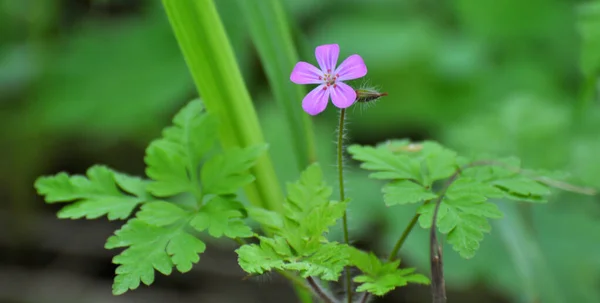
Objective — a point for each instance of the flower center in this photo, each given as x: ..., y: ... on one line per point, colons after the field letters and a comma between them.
x: 329, y: 78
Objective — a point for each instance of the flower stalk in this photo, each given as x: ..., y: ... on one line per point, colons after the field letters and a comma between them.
x: 340, y: 167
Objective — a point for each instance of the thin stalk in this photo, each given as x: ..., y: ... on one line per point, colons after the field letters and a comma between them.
x: 319, y: 291
x: 340, y: 165
x: 405, y: 234
x: 396, y: 249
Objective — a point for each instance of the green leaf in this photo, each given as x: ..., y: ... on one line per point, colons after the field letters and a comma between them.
x: 151, y: 248
x: 184, y: 249
x: 306, y: 194
x: 405, y: 192
x: 167, y: 168
x: 299, y: 243
x: 173, y: 160
x: 258, y: 259
x: 387, y: 164
x: 222, y: 216
x: 467, y: 234
x: 160, y: 213
x: 226, y: 173
x: 95, y: 195
x: 327, y: 262
x: 381, y: 277
x: 522, y: 186
x: 463, y: 214
x: 441, y: 162
x: 268, y: 219
x: 308, y: 211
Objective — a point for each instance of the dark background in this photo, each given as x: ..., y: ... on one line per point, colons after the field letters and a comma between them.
x: 85, y: 82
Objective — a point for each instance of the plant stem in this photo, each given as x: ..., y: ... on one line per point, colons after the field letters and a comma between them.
x: 397, y: 247
x: 405, y: 234
x: 340, y: 166
x: 319, y: 291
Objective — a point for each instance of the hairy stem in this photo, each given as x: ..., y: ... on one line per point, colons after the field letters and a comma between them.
x: 316, y: 288
x: 340, y: 166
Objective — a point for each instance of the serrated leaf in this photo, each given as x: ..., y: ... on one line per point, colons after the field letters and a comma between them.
x: 222, y: 216
x: 387, y: 164
x: 95, y: 195
x: 440, y: 161
x: 133, y: 185
x: 151, y: 248
x: 467, y: 234
x: 258, y: 259
x: 405, y: 192
x: 327, y: 262
x: 463, y: 214
x: 466, y: 186
x: 172, y: 161
x: 299, y: 243
x: 267, y: 218
x: 306, y: 194
x: 161, y: 213
x: 184, y: 249
x: 522, y: 186
x: 381, y: 277
x: 168, y: 168
x: 308, y: 211
x: 225, y: 173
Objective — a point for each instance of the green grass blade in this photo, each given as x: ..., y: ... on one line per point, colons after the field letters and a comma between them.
x: 211, y: 61
x: 271, y: 35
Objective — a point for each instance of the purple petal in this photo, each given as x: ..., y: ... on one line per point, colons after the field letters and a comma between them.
x: 306, y: 73
x: 327, y: 56
x: 316, y: 101
x: 352, y: 68
x: 342, y: 95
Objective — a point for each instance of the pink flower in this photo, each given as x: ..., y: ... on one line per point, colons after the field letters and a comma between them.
x: 329, y: 79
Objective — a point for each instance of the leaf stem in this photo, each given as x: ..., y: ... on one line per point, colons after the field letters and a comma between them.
x: 403, y: 237
x: 340, y: 166
x: 396, y: 249
x: 316, y: 288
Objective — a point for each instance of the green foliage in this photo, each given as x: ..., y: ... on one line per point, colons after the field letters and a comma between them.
x: 150, y: 248
x: 226, y: 173
x: 102, y: 192
x: 464, y: 207
x: 298, y: 243
x: 381, y: 277
x: 160, y: 236
x: 405, y: 192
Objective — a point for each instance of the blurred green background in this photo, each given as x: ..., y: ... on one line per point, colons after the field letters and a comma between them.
x: 93, y: 81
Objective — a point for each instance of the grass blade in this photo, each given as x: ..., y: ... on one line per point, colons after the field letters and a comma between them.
x: 211, y: 61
